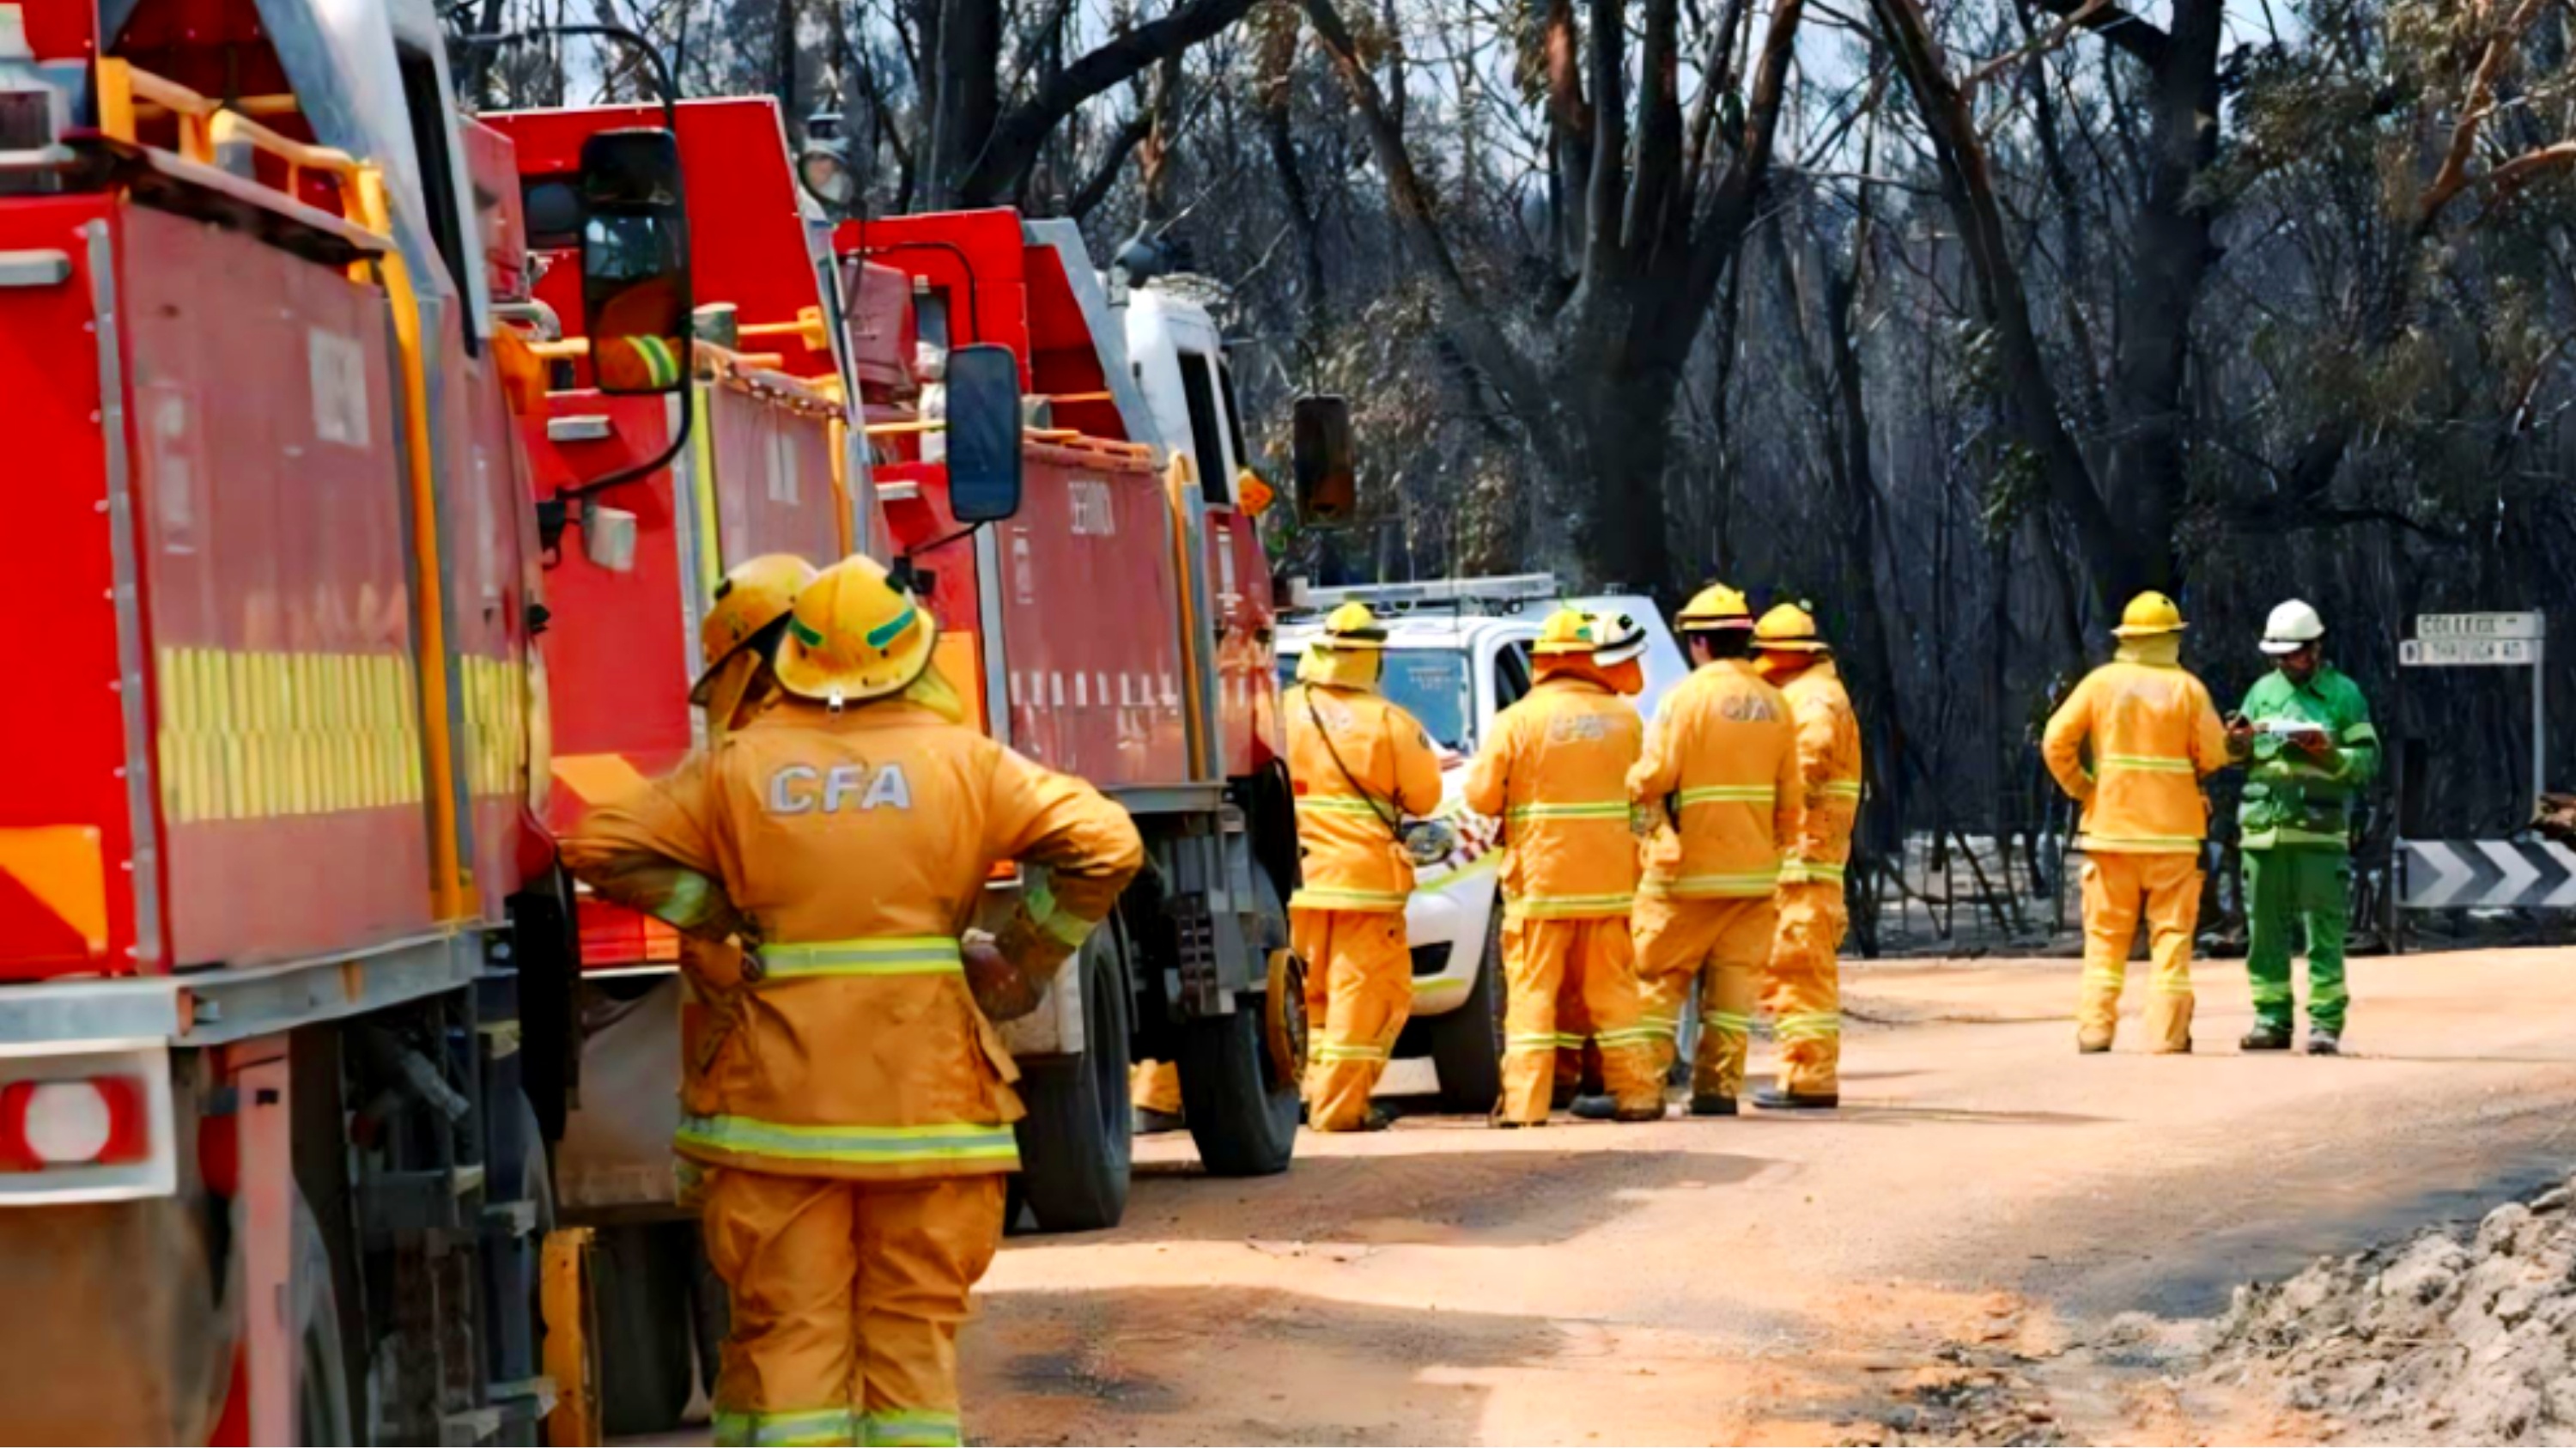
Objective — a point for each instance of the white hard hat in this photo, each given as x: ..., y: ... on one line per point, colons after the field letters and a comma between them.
x: 2293, y: 627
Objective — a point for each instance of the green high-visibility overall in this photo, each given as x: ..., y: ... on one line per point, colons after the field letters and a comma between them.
x: 2296, y: 828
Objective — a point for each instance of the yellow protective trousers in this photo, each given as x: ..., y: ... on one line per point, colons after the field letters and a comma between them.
x: 1359, y: 986
x: 1802, y: 989
x: 1573, y: 980
x: 1722, y: 942
x: 1156, y: 1087
x: 847, y: 1295
x: 2118, y: 890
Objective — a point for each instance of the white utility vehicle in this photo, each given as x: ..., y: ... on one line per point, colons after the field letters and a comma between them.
x: 1458, y: 654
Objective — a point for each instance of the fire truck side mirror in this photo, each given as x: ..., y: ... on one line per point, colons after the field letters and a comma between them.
x: 983, y: 433
x: 635, y: 261
x: 1326, y: 460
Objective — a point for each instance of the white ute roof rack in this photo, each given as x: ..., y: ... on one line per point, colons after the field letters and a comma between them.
x: 1508, y: 590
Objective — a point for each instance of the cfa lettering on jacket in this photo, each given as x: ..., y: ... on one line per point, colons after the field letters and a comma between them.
x: 805, y: 789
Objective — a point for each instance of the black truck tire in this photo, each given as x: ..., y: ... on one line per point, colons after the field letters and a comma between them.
x: 1467, y: 1044
x: 1241, y: 1103
x: 1077, y: 1143
x: 647, y: 1334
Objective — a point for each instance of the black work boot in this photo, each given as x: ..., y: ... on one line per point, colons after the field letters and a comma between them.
x: 1709, y: 1104
x: 1780, y: 1099
x: 1150, y: 1123
x: 1594, y: 1108
x: 2265, y: 1037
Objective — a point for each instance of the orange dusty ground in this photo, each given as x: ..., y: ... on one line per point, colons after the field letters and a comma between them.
x: 1939, y: 1260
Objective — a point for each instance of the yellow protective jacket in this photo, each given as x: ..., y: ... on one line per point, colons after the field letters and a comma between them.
x: 2152, y: 734
x: 1829, y: 770
x: 1720, y: 776
x: 1554, y: 770
x: 853, y: 847
x: 1352, y: 856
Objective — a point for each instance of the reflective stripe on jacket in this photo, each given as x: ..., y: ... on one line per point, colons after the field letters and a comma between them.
x: 855, y: 847
x: 2152, y: 733
x: 1720, y: 777
x: 1346, y: 838
x: 2289, y: 798
x: 1554, y: 770
x: 1829, y: 766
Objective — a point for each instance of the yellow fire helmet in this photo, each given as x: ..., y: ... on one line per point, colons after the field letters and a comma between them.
x: 1789, y: 629
x: 1352, y: 626
x: 1567, y: 631
x: 750, y: 598
x: 1715, y: 607
x: 854, y: 636
x: 2148, y: 615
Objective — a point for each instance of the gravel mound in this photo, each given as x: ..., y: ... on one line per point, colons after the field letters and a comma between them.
x: 2459, y: 1336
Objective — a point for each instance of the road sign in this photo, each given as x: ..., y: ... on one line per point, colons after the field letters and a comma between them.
x: 2480, y: 626
x: 2452, y: 874
x: 2493, y: 651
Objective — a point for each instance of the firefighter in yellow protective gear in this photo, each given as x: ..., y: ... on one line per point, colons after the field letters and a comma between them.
x: 1720, y: 782
x: 861, y: 1115
x: 2152, y: 734
x: 1359, y: 765
x: 1554, y: 769
x: 1803, y: 987
x: 738, y: 641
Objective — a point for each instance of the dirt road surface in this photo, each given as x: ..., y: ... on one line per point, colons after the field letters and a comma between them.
x: 1944, y: 1258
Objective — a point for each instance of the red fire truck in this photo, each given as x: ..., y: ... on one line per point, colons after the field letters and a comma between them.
x: 267, y: 1169
x: 290, y: 992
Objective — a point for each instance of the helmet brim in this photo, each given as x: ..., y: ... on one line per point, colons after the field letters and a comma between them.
x: 2148, y: 631
x: 1615, y: 655
x: 2279, y: 648
x: 1790, y: 646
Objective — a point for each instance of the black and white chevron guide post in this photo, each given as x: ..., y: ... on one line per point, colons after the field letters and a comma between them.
x: 2436, y: 875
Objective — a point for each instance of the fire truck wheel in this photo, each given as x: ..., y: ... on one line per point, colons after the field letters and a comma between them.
x: 647, y: 1335
x: 1077, y: 1142
x: 1241, y: 1116
x: 1467, y: 1044
x: 322, y: 1411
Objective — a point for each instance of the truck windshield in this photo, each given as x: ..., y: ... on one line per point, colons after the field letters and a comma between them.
x: 1431, y: 684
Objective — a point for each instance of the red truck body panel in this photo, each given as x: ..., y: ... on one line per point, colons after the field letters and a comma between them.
x: 1087, y: 572
x: 270, y: 486
x: 67, y: 849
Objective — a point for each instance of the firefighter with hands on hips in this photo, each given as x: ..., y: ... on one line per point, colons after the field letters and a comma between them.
x: 858, y: 1129
x: 2306, y: 731
x: 1720, y: 780
x: 1360, y: 766
x: 1554, y: 770
x: 2132, y: 744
